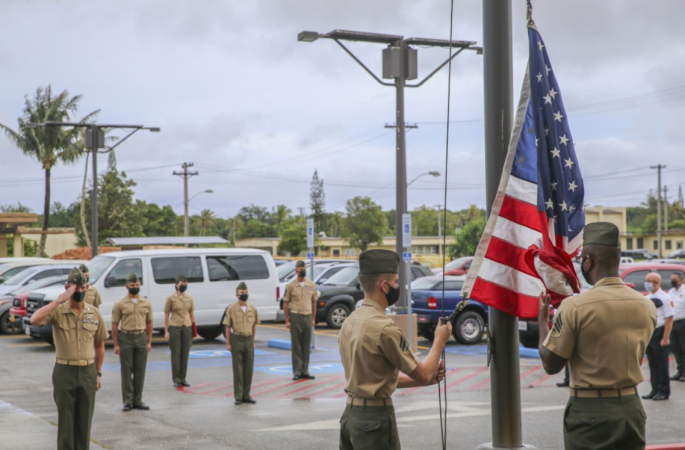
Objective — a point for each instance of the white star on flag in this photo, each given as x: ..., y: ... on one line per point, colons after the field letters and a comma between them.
x: 555, y: 153
x: 563, y: 139
x: 569, y: 163
x: 558, y: 116
x: 554, y: 185
x: 549, y: 203
x: 572, y: 186
x: 553, y: 93
x: 548, y: 99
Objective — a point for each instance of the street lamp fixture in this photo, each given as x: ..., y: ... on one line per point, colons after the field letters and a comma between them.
x: 433, y: 173
x: 94, y: 140
x: 400, y: 62
x: 208, y: 191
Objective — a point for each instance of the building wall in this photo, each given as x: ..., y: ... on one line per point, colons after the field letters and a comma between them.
x: 55, y: 243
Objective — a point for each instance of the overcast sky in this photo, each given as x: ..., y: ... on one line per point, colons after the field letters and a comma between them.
x: 258, y: 112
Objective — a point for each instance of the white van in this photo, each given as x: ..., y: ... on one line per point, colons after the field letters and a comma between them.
x: 213, y: 275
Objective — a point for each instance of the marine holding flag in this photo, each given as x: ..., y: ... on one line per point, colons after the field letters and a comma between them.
x: 523, y: 264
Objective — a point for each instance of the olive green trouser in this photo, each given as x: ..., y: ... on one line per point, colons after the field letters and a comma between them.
x: 369, y: 428
x: 74, y: 394
x: 301, y: 342
x: 133, y: 359
x: 180, y: 341
x: 609, y: 423
x: 242, y: 354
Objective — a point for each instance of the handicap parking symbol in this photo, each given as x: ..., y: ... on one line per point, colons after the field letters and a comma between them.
x: 313, y: 369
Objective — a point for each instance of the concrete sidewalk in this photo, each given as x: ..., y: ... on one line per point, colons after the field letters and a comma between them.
x: 28, y: 431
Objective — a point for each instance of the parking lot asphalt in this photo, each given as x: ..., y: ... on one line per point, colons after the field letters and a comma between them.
x: 289, y: 414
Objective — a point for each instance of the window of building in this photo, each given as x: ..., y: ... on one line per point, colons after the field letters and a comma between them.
x: 679, y: 245
x: 336, y: 252
x: 122, y: 270
x: 667, y: 244
x: 640, y: 243
x: 164, y: 270
x: 656, y: 245
x: 629, y: 243
x: 351, y: 252
x: 238, y: 267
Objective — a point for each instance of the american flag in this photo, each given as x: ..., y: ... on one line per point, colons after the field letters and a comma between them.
x: 537, y: 218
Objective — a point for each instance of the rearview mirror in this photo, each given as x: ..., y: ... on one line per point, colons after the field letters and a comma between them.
x: 631, y: 285
x: 110, y: 281
x: 321, y: 281
x: 359, y: 287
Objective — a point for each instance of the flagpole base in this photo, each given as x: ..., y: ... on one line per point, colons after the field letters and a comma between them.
x: 489, y: 446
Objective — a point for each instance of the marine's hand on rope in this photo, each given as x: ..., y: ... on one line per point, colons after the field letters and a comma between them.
x: 439, y: 374
x: 443, y: 332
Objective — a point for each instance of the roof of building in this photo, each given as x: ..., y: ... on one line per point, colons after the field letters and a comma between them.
x: 167, y: 240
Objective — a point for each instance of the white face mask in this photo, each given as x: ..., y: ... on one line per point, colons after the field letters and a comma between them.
x: 649, y: 287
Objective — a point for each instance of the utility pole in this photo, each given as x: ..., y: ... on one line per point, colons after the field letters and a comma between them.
x: 440, y: 249
x: 301, y: 208
x: 666, y: 208
x: 658, y: 168
x: 185, y: 174
x: 400, y: 63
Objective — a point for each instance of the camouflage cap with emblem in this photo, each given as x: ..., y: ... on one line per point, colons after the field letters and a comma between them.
x: 601, y: 233
x: 83, y: 268
x: 132, y: 278
x: 299, y: 264
x: 241, y: 286
x: 181, y: 278
x: 76, y: 277
x: 379, y: 261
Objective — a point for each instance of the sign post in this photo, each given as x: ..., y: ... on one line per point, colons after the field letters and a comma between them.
x: 310, y: 256
x: 406, y: 256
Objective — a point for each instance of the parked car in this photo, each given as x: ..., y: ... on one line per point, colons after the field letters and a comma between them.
x: 627, y: 260
x: 280, y: 262
x: 11, y: 323
x: 427, y: 302
x: 213, y: 275
x: 678, y: 262
x: 640, y: 253
x: 9, y: 267
x: 459, y: 266
x: 677, y: 254
x: 35, y: 273
x: 340, y: 293
x: 322, y: 272
x: 633, y: 275
x: 286, y: 272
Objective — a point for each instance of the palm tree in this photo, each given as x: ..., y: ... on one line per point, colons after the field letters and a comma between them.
x: 205, y: 220
x: 48, y: 145
x: 280, y: 214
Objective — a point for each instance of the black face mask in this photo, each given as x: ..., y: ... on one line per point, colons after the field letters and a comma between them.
x: 243, y: 297
x: 674, y: 283
x: 133, y: 291
x: 586, y: 274
x: 393, y: 295
x: 78, y: 296
x: 182, y: 288
x: 302, y: 273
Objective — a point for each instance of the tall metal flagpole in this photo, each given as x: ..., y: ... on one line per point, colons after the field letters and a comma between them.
x: 504, y: 368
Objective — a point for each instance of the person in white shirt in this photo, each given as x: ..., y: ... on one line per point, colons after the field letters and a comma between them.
x: 657, y: 350
x: 677, y: 294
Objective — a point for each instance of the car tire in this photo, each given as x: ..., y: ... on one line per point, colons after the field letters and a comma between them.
x: 336, y: 315
x: 427, y: 333
x: 528, y: 341
x: 209, y: 333
x: 7, y: 327
x: 468, y: 328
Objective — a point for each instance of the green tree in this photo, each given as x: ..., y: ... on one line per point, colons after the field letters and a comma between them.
x: 160, y: 221
x: 256, y: 229
x: 48, y: 145
x: 317, y: 202
x: 204, y: 221
x: 365, y: 223
x: 118, y: 214
x: 18, y: 208
x: 467, y: 238
x: 63, y: 217
x: 280, y: 214
x: 334, y: 224
x: 293, y: 238
x: 254, y: 212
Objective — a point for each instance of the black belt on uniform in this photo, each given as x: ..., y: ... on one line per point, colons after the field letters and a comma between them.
x: 679, y: 320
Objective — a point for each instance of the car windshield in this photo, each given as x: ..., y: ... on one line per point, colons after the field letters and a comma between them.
x: 457, y: 263
x: 344, y: 277
x: 424, y: 283
x: 285, y: 269
x: 11, y: 272
x: 97, y: 266
x: 46, y: 282
x: 23, y: 276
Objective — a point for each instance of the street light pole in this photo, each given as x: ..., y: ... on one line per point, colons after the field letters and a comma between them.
x: 400, y: 64
x: 94, y: 140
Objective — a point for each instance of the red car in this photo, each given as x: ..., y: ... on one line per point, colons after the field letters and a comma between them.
x: 634, y: 274
x: 459, y: 266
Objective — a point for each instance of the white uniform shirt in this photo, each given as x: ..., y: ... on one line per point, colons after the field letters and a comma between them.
x: 663, y: 311
x: 678, y: 297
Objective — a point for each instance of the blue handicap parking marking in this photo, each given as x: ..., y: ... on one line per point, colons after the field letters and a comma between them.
x: 220, y: 353
x: 314, y: 369
x: 471, y: 350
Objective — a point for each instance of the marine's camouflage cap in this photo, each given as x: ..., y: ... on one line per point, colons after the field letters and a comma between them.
x: 83, y: 268
x: 299, y: 264
x: 601, y: 233
x: 76, y: 277
x: 132, y: 278
x: 180, y: 278
x: 241, y: 286
x: 379, y: 261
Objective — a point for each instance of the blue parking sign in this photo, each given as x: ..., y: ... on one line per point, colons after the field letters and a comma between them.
x: 406, y: 256
x: 310, y: 255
